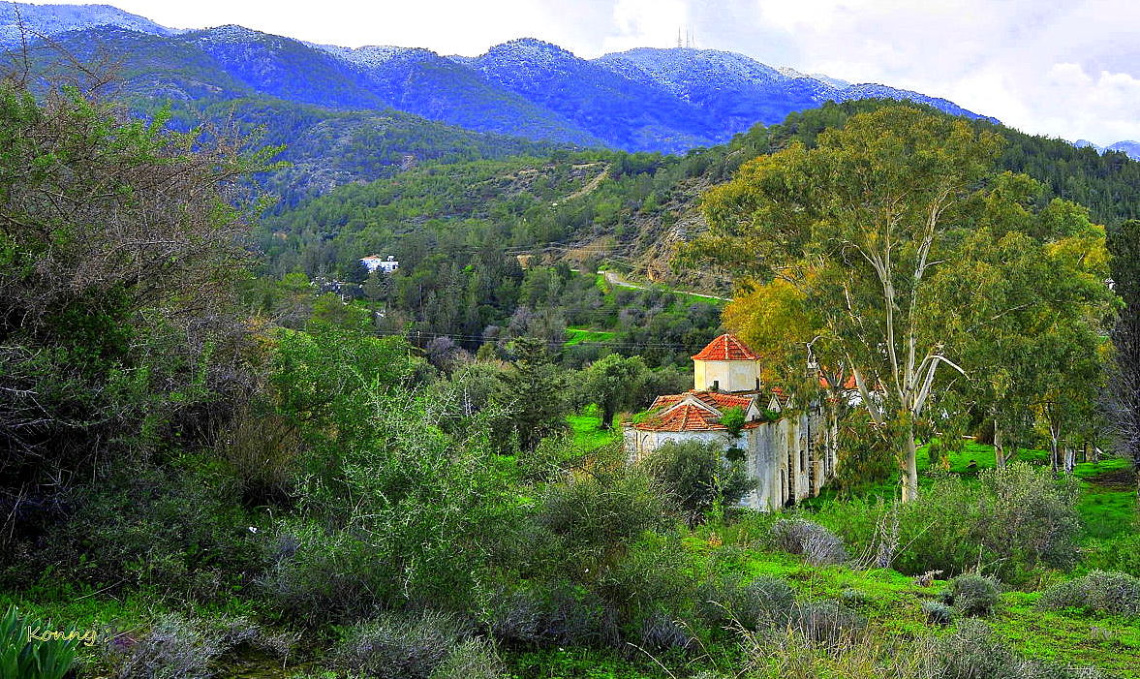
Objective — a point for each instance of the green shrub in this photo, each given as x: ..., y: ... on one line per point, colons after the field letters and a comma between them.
x: 384, y: 505
x: 1119, y: 553
x: 973, y: 651
x: 661, y: 632
x: 938, y: 613
x: 818, y: 545
x: 1028, y: 516
x: 974, y: 595
x: 178, y: 527
x: 472, y: 659
x: 22, y: 657
x: 586, y: 525
x: 1097, y: 592
x: 1014, y: 520
x: 548, y: 616
x: 394, y: 647
x: 853, y: 598
x: 764, y: 602
x: 656, y: 574
x: 697, y: 476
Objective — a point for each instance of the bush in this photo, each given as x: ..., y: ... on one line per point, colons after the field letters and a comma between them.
x: 656, y: 574
x: 387, y: 498
x: 1029, y: 516
x: 1120, y: 553
x: 938, y: 613
x: 472, y: 659
x: 768, y: 601
x: 179, y: 528
x: 557, y: 616
x: 817, y: 544
x: 974, y: 594
x: 660, y: 632
x: 586, y: 525
x: 765, y: 602
x: 397, y: 647
x: 697, y: 476
x: 827, y: 622
x: 1014, y: 520
x: 973, y: 651
x: 176, y: 647
x: 853, y: 598
x: 1097, y: 592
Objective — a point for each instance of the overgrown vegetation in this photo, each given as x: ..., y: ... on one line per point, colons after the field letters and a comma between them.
x: 208, y: 471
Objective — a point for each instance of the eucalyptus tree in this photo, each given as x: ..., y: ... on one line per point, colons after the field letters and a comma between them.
x: 864, y: 236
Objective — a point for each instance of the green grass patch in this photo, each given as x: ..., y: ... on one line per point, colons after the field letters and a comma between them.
x: 583, y: 335
x: 587, y: 429
x: 1109, y: 643
x: 1108, y: 498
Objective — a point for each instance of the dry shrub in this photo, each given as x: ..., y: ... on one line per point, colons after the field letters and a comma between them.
x: 1097, y: 592
x: 398, y: 647
x: 262, y: 448
x: 175, y: 648
x: 818, y: 545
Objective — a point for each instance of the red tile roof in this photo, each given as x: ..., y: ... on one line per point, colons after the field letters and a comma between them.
x: 686, y: 417
x: 849, y: 383
x: 727, y: 347
x: 703, y: 415
x: 716, y: 399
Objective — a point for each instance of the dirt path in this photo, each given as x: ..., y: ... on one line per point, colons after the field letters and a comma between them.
x: 617, y: 281
x: 589, y: 187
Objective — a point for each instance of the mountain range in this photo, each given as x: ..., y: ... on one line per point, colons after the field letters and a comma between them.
x: 1129, y: 147
x: 646, y: 99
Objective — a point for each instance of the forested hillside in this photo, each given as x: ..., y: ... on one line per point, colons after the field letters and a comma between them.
x: 464, y: 232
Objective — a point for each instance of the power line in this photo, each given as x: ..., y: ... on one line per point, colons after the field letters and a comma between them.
x: 479, y: 338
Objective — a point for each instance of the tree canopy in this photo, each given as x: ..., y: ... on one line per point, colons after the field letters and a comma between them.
x: 865, y: 246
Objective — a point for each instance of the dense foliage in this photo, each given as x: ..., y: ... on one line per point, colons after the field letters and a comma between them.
x: 219, y: 475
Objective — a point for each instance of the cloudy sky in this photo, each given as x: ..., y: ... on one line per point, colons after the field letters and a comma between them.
x: 1065, y: 68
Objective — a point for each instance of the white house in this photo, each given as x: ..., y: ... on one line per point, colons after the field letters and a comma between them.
x: 374, y: 262
x: 791, y: 452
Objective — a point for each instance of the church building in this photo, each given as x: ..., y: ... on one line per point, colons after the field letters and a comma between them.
x: 791, y: 451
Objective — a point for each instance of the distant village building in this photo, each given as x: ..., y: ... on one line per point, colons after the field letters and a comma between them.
x: 790, y: 451
x: 376, y: 262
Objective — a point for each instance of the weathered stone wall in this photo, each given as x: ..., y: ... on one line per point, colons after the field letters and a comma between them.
x: 790, y: 458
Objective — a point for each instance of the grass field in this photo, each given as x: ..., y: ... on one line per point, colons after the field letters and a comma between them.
x: 581, y: 335
x: 587, y: 430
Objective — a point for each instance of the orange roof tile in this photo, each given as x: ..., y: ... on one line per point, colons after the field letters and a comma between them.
x: 686, y: 417
x: 848, y: 383
x: 715, y: 399
x: 727, y: 347
x: 704, y: 415
x: 721, y: 401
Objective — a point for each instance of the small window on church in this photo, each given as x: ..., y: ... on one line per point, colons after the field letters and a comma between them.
x: 716, y: 385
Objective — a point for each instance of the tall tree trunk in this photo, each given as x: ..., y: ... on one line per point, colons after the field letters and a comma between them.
x: 999, y: 451
x: 910, y: 481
